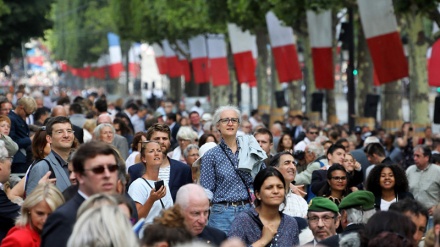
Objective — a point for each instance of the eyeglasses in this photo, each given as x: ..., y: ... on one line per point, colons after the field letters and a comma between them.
x: 60, y: 132
x: 227, y: 120
x: 314, y: 133
x: 339, y: 178
x: 184, y: 140
x: 10, y: 158
x: 326, y: 219
x: 193, y: 155
x: 101, y: 168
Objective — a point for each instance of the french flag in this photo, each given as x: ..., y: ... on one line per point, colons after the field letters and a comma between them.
x: 115, y: 65
x: 283, y: 45
x: 433, y: 61
x: 99, y: 68
x: 242, y: 45
x: 161, y: 60
x: 199, y: 58
x: 380, y: 29
x: 218, y: 62
x: 173, y: 64
x: 320, y: 33
x: 134, y: 59
x: 184, y: 64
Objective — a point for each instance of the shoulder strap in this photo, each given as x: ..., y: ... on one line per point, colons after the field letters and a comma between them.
x: 321, y: 164
x: 32, y: 166
x: 242, y: 180
x: 163, y: 206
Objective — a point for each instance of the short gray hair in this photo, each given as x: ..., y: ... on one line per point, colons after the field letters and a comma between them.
x: 3, y: 151
x: 316, y: 148
x: 97, y: 130
x: 187, y: 191
x: 358, y: 216
x: 189, y: 148
x: 187, y: 133
x: 221, y: 109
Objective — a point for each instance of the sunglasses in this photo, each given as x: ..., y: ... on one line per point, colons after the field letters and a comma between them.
x: 100, y: 169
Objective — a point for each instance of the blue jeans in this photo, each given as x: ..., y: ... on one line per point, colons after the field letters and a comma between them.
x: 221, y: 216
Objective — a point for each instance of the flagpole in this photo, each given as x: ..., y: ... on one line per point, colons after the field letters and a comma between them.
x: 351, y: 95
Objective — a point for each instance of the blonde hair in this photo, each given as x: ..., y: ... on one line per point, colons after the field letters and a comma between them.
x: 90, y: 125
x: 43, y: 192
x: 96, y: 200
x: 101, y: 227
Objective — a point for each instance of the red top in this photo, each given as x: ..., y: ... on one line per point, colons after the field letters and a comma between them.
x: 21, y: 237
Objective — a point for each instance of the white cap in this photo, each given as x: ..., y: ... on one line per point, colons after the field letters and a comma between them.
x: 202, y: 150
x: 371, y: 139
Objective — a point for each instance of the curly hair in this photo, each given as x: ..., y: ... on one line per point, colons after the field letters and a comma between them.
x: 400, y: 179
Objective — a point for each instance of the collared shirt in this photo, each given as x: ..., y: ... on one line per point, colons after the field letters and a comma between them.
x: 220, y: 177
x: 295, y: 205
x: 425, y: 184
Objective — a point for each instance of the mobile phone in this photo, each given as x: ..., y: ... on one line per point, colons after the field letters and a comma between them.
x: 158, y: 184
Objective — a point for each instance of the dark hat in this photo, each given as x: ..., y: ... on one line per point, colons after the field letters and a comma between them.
x: 359, y: 199
x: 321, y: 204
x: 357, y: 130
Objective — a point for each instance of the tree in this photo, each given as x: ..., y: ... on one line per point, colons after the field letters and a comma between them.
x: 21, y: 20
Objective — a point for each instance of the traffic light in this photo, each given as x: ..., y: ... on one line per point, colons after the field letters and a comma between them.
x: 355, y: 72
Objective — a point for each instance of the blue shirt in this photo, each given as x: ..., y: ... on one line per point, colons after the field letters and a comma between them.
x: 219, y: 176
x: 247, y: 226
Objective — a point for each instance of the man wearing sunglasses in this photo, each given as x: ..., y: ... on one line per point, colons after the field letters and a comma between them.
x: 20, y: 131
x: 96, y: 169
x: 60, y: 136
x: 311, y: 134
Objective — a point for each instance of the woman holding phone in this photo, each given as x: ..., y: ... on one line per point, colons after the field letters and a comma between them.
x: 150, y: 194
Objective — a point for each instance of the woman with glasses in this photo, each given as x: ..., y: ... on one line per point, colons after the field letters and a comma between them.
x: 149, y: 198
x: 336, y: 187
x: 228, y: 169
x: 185, y: 136
x: 389, y: 184
x: 265, y: 225
x: 43, y: 200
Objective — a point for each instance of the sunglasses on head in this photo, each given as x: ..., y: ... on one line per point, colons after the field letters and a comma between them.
x: 101, y: 168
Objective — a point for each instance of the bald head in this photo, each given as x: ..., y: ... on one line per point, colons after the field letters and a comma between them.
x: 103, y: 118
x: 190, y: 193
x: 59, y: 110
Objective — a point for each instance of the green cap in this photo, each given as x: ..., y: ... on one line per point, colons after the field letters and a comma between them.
x: 321, y: 204
x: 359, y: 199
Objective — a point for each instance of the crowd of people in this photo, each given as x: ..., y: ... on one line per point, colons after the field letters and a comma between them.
x: 90, y: 172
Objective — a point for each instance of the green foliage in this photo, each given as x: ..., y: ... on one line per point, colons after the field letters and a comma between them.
x: 80, y: 31
x: 154, y: 20
x: 21, y: 20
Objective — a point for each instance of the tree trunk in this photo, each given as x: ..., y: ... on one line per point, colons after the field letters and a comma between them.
x: 309, y: 78
x: 419, y: 89
x: 365, y: 76
x: 330, y: 99
x: 175, y: 88
x: 219, y: 96
x: 295, y: 96
x: 391, y: 105
x: 263, y: 63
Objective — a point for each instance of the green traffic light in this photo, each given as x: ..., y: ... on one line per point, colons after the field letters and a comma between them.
x: 438, y: 90
x: 355, y: 72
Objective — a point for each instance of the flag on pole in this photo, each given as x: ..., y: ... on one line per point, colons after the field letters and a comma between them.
x: 161, y: 60
x: 134, y: 59
x: 283, y: 45
x: 383, y: 39
x: 99, y: 68
x: 320, y: 32
x: 433, y: 60
x: 173, y: 64
x: 242, y: 44
x: 199, y: 59
x: 184, y: 64
x: 115, y: 65
x: 218, y: 62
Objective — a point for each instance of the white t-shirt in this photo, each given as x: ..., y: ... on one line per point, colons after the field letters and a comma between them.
x: 385, y: 205
x: 140, y: 191
x: 130, y: 160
